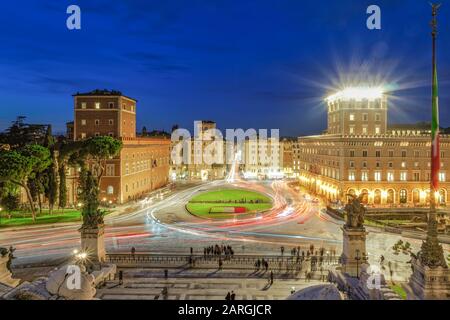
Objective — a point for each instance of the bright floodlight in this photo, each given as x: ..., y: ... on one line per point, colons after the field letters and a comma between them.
x: 357, y: 93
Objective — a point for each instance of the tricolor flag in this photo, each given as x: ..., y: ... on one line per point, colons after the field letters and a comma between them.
x: 435, y: 150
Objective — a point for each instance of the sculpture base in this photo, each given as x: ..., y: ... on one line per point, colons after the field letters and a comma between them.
x: 429, y: 283
x: 354, y: 250
x: 5, y: 275
x: 93, y: 243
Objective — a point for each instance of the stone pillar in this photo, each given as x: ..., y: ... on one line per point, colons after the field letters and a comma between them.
x: 429, y: 283
x: 5, y: 273
x: 93, y: 243
x: 354, y: 253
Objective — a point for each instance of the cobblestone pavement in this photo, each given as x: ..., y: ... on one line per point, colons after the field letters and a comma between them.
x: 148, y: 284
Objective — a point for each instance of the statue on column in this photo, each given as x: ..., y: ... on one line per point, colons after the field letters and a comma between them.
x: 355, y: 212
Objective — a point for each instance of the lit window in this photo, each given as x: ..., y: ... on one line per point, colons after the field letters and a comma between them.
x: 83, y: 135
x: 364, y: 176
x: 377, y: 130
x: 364, y: 130
x: 351, y: 176
x: 442, y: 176
x: 403, y: 164
x: 390, y: 176
x: 97, y: 105
x: 83, y: 122
x: 110, y: 168
x: 377, y: 176
x: 403, y: 176
x: 83, y: 105
x: 352, y: 130
x: 110, y: 190
x: 352, y: 117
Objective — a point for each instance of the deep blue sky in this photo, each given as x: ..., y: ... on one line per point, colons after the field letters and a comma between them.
x: 260, y: 64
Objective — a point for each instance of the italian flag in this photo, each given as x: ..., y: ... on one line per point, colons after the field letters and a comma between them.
x: 435, y: 150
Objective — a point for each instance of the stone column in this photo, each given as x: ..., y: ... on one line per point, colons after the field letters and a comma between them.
x: 354, y: 253
x: 92, y: 242
x: 429, y: 283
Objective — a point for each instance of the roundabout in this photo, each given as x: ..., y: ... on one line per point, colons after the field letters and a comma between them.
x: 228, y: 203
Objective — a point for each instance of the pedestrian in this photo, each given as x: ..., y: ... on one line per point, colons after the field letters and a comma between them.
x: 233, y: 295
x: 166, y: 274
x: 228, y: 297
x: 120, y: 277
x: 192, y: 250
x: 282, y: 250
x: 271, y: 277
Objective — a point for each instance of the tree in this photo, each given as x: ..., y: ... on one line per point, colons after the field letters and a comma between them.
x: 9, y: 197
x: 18, y: 166
x: 62, y: 187
x: 97, y: 151
x: 90, y: 156
x: 20, y: 134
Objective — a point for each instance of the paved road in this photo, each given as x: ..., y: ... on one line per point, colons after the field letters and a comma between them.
x: 162, y: 225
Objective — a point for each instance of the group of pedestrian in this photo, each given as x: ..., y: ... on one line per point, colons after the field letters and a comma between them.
x: 230, y: 296
x: 261, y: 264
x: 218, y: 250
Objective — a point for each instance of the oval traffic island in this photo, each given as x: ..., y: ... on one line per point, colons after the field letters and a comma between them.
x: 228, y: 203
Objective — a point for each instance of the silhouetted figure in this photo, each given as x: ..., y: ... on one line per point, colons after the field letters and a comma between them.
x: 233, y: 295
x: 228, y: 297
x: 120, y: 277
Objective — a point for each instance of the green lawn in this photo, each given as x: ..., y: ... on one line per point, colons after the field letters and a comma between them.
x: 220, y: 198
x: 23, y: 219
x: 398, y: 289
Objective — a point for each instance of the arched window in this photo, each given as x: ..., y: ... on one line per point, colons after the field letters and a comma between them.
x: 416, y: 196
x: 390, y: 197
x: 377, y: 197
x: 442, y: 199
x: 110, y: 190
x: 365, y: 198
x: 403, y: 196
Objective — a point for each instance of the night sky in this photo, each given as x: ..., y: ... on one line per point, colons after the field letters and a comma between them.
x: 244, y: 64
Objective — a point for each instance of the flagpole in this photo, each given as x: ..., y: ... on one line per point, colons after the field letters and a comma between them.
x: 432, y: 253
x: 435, y: 152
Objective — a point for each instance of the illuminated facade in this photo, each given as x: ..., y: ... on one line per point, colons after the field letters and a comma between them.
x: 360, y: 154
x: 143, y: 163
